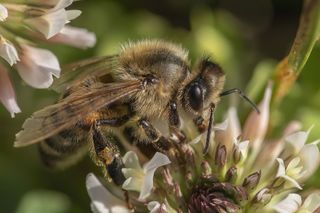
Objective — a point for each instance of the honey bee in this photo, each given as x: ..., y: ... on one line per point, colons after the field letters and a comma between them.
x: 147, y: 81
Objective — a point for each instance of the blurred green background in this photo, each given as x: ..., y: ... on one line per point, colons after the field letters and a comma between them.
x: 247, y: 38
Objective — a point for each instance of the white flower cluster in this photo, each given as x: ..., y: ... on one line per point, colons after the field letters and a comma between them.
x: 261, y: 175
x: 23, y: 25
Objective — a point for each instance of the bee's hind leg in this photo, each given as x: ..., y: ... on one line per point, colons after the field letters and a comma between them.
x: 107, y: 155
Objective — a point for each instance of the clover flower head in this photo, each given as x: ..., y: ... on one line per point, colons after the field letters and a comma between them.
x: 240, y: 173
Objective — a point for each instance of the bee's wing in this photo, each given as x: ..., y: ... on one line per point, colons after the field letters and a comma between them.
x: 78, y: 71
x: 52, y: 119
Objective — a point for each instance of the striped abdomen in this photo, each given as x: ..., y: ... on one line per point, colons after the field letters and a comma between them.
x: 65, y: 148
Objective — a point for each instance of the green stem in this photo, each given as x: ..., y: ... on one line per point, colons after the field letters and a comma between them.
x: 291, y: 66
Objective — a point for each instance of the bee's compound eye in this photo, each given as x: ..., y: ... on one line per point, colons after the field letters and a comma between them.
x: 195, y: 97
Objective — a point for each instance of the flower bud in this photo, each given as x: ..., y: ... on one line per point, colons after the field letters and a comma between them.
x: 221, y: 155
x: 231, y: 174
x: 252, y: 180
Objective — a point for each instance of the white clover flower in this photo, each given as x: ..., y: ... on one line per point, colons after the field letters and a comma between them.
x: 241, y: 178
x: 7, y: 94
x: 36, y: 21
x: 37, y: 66
x: 141, y: 179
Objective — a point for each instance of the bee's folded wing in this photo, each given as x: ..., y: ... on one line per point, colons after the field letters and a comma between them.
x: 67, y: 112
x: 78, y: 71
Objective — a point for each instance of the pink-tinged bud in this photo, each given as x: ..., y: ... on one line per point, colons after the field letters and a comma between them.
x: 8, y: 51
x: 37, y: 66
x: 256, y: 125
x: 76, y: 37
x: 7, y: 94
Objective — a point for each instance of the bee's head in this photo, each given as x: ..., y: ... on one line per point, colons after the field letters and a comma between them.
x: 204, y: 88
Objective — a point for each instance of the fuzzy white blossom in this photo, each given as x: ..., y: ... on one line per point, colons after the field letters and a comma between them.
x: 38, y: 66
x: 36, y: 21
x: 141, y: 179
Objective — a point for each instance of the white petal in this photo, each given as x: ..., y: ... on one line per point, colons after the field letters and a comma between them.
x: 293, y: 163
x: 312, y: 202
x: 221, y: 126
x: 149, y: 168
x: 73, y: 14
x: 49, y: 24
x: 243, y: 146
x: 76, y: 37
x: 147, y: 185
x: 102, y: 200
x: 282, y: 173
x: 281, y: 169
x: 157, y: 161
x: 232, y: 131
x: 8, y: 51
x: 256, y: 125
x: 156, y: 207
x: 234, y: 123
x: 133, y: 184
x: 130, y: 160
x: 3, y: 13
x: 292, y: 127
x: 310, y: 159
x: 292, y: 181
x: 37, y: 67
x: 297, y: 140
x: 62, y: 4
x: 7, y: 94
x: 289, y: 205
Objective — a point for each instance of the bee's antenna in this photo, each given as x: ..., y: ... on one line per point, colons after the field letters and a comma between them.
x: 242, y: 95
x: 206, y: 147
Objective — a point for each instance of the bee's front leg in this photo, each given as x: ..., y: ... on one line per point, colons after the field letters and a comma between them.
x: 154, y: 136
x: 174, y: 123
